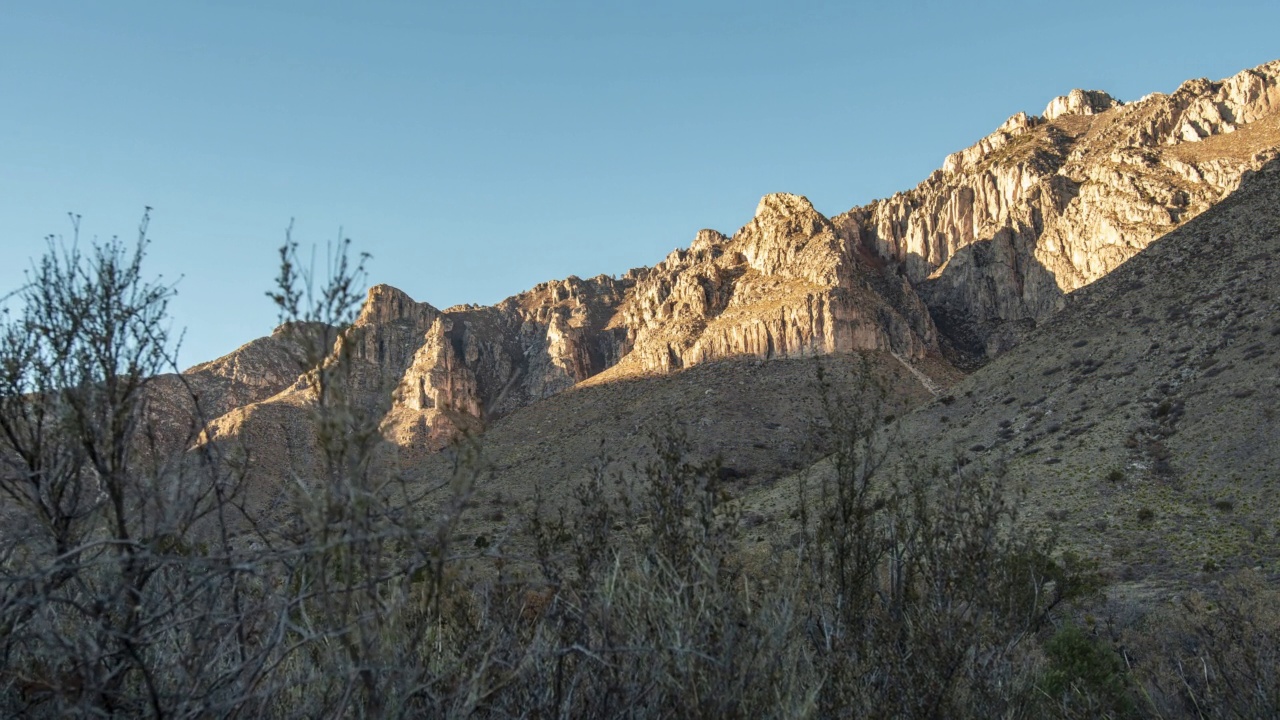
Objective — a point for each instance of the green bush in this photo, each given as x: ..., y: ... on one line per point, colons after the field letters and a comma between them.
x: 1086, y: 675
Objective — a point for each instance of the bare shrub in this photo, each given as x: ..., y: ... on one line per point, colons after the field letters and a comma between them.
x: 925, y: 592
x: 1214, y: 654
x: 132, y: 582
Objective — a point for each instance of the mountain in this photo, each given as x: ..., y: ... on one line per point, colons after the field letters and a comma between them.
x: 948, y: 275
x: 822, y: 466
x: 181, y: 404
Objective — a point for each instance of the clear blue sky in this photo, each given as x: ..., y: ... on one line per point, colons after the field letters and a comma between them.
x: 476, y: 148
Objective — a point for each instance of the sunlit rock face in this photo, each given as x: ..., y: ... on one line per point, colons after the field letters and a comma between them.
x: 965, y: 264
x: 1045, y: 205
x: 1079, y: 102
x: 476, y: 364
x: 787, y: 284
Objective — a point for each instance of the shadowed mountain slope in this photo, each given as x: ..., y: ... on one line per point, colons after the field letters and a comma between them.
x: 761, y: 419
x: 1144, y: 415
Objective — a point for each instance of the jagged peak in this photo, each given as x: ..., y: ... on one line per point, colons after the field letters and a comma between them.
x: 463, y: 307
x: 1016, y: 125
x: 1080, y: 102
x: 386, y: 303
x: 570, y: 287
x: 1242, y: 83
x: 388, y: 293
x: 784, y: 204
x: 1271, y: 67
x: 706, y: 239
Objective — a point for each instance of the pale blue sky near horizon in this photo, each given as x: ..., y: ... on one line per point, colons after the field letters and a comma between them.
x: 478, y: 148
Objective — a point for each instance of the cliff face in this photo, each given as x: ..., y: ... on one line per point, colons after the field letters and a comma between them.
x: 787, y: 284
x: 982, y: 251
x: 1045, y: 205
x: 475, y: 364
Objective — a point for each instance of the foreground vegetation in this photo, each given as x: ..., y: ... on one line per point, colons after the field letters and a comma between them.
x: 136, y: 579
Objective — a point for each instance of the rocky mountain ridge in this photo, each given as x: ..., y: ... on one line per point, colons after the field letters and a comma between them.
x: 1045, y: 205
x: 965, y: 264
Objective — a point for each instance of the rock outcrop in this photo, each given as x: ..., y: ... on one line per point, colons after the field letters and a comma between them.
x: 787, y: 284
x: 1079, y: 102
x: 432, y: 373
x: 1155, y: 388
x: 475, y: 364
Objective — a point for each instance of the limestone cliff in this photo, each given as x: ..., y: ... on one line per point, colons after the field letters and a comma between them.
x: 982, y: 251
x: 475, y: 364
x: 786, y: 284
x: 1045, y: 205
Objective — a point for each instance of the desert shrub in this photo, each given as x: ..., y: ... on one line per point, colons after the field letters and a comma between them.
x: 661, y: 621
x: 134, y: 582
x: 105, y: 568
x: 921, y: 584
x: 1085, y: 677
x: 910, y: 596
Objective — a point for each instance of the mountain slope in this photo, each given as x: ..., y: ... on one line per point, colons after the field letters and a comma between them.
x: 1143, y: 417
x: 761, y: 419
